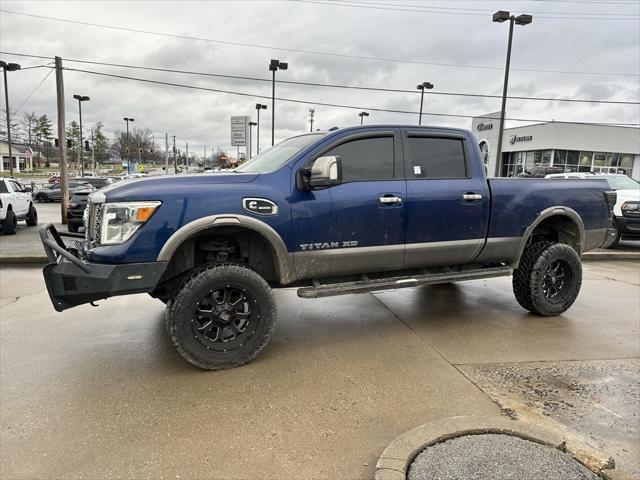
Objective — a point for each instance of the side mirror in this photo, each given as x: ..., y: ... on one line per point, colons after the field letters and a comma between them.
x: 325, y: 172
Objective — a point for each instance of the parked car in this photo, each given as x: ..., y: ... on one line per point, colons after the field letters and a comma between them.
x: 96, y: 182
x: 627, y: 208
x: 53, y: 193
x: 347, y: 211
x: 75, y: 209
x: 539, y: 172
x: 15, y: 205
x: 55, y: 178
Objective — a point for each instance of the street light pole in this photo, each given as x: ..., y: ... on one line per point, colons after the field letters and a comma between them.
x: 312, y: 112
x: 421, y: 87
x: 273, y: 66
x: 362, y: 115
x: 259, y: 107
x: 251, y: 125
x: 127, y: 146
x: 499, y: 17
x: 8, y: 67
x: 81, y: 98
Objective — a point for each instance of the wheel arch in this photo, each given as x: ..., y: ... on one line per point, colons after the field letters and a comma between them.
x: 560, y: 222
x: 282, y: 262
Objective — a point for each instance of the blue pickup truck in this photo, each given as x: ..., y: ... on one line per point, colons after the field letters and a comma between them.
x: 339, y: 212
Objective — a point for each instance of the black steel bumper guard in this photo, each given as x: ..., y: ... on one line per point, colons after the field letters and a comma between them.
x: 72, y: 281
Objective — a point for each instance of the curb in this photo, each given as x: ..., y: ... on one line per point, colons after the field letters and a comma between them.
x: 609, y: 255
x: 26, y: 259
x: 394, y: 462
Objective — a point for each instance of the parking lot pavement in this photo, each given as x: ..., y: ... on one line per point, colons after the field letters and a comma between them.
x: 97, y: 392
x: 26, y: 244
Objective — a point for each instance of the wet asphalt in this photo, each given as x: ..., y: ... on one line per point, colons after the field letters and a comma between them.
x: 101, y: 393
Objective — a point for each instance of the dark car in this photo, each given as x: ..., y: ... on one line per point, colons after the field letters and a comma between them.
x: 75, y: 209
x: 95, y: 182
x: 52, y: 193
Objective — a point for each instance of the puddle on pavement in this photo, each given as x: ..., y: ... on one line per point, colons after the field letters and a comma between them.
x: 597, y: 402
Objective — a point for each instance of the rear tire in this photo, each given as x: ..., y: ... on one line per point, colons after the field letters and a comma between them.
x: 32, y: 216
x: 222, y: 317
x: 10, y: 223
x: 41, y: 198
x: 549, y: 277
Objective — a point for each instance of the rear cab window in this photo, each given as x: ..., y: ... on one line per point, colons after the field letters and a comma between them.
x: 432, y: 157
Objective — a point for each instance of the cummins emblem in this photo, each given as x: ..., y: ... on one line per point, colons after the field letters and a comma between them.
x: 261, y: 206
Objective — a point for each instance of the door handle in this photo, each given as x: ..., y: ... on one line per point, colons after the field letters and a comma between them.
x: 390, y: 200
x: 471, y: 196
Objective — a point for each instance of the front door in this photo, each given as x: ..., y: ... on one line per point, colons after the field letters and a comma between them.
x: 447, y: 199
x: 357, y: 226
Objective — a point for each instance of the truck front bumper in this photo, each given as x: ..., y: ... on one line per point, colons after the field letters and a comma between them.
x: 72, y: 281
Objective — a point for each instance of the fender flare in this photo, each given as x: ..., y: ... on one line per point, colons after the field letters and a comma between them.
x: 557, y: 211
x: 284, y: 265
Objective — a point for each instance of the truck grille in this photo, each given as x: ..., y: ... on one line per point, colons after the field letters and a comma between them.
x: 91, y: 220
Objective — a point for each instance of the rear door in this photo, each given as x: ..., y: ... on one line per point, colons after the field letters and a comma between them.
x: 447, y: 199
x: 359, y: 225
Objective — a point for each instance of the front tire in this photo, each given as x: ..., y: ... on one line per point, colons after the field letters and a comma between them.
x: 222, y: 317
x: 548, y: 279
x: 10, y: 223
x: 32, y: 216
x: 41, y: 198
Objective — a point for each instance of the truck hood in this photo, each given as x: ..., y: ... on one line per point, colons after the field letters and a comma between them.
x: 161, y: 185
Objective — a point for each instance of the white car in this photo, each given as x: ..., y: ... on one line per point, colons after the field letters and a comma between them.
x: 15, y: 204
x: 626, y: 211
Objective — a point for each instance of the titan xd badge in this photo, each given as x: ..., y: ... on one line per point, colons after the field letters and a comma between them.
x: 261, y: 206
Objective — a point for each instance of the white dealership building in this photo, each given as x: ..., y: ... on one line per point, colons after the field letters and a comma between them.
x: 576, y: 147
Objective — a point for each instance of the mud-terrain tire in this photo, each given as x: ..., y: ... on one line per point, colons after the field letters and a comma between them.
x: 32, y: 216
x: 548, y: 279
x: 221, y: 317
x: 10, y: 223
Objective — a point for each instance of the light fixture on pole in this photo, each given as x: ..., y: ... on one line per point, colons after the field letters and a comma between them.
x: 127, y: 145
x: 499, y: 17
x: 81, y: 98
x: 259, y: 107
x: 422, y: 87
x: 251, y: 125
x: 8, y: 67
x: 273, y: 66
x: 362, y: 115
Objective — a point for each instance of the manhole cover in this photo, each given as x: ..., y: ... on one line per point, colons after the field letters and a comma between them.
x: 495, y: 456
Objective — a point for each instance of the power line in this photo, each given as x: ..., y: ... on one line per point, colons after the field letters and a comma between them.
x: 395, y: 9
x: 324, y: 104
x: 341, y: 86
x: 34, y: 90
x: 312, y: 52
x: 471, y: 9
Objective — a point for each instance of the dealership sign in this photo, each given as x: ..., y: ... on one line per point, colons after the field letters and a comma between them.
x: 239, y: 130
x: 484, y: 126
x: 515, y: 138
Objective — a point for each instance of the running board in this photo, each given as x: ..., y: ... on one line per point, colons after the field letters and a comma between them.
x: 319, y: 290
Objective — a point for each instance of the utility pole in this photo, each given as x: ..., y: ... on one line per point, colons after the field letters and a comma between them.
x: 204, y: 158
x: 10, y: 67
x: 312, y: 111
x: 62, y: 142
x: 175, y: 160
x: 166, y: 154
x: 187, y: 156
x: 93, y: 156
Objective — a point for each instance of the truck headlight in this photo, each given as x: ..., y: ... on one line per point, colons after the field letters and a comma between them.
x: 631, y: 209
x: 121, y: 220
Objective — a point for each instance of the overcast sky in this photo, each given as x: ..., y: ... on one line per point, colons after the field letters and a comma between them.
x: 559, y: 39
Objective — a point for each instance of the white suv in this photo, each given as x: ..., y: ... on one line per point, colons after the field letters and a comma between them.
x: 15, y: 204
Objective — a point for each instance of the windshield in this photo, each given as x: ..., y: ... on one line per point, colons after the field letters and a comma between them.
x: 276, y: 156
x: 622, y: 182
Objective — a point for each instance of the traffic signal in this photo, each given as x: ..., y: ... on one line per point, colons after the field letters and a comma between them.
x: 55, y: 142
x: 86, y: 146
x: 69, y: 143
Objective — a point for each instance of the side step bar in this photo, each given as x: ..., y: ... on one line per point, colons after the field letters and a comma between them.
x: 319, y: 290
